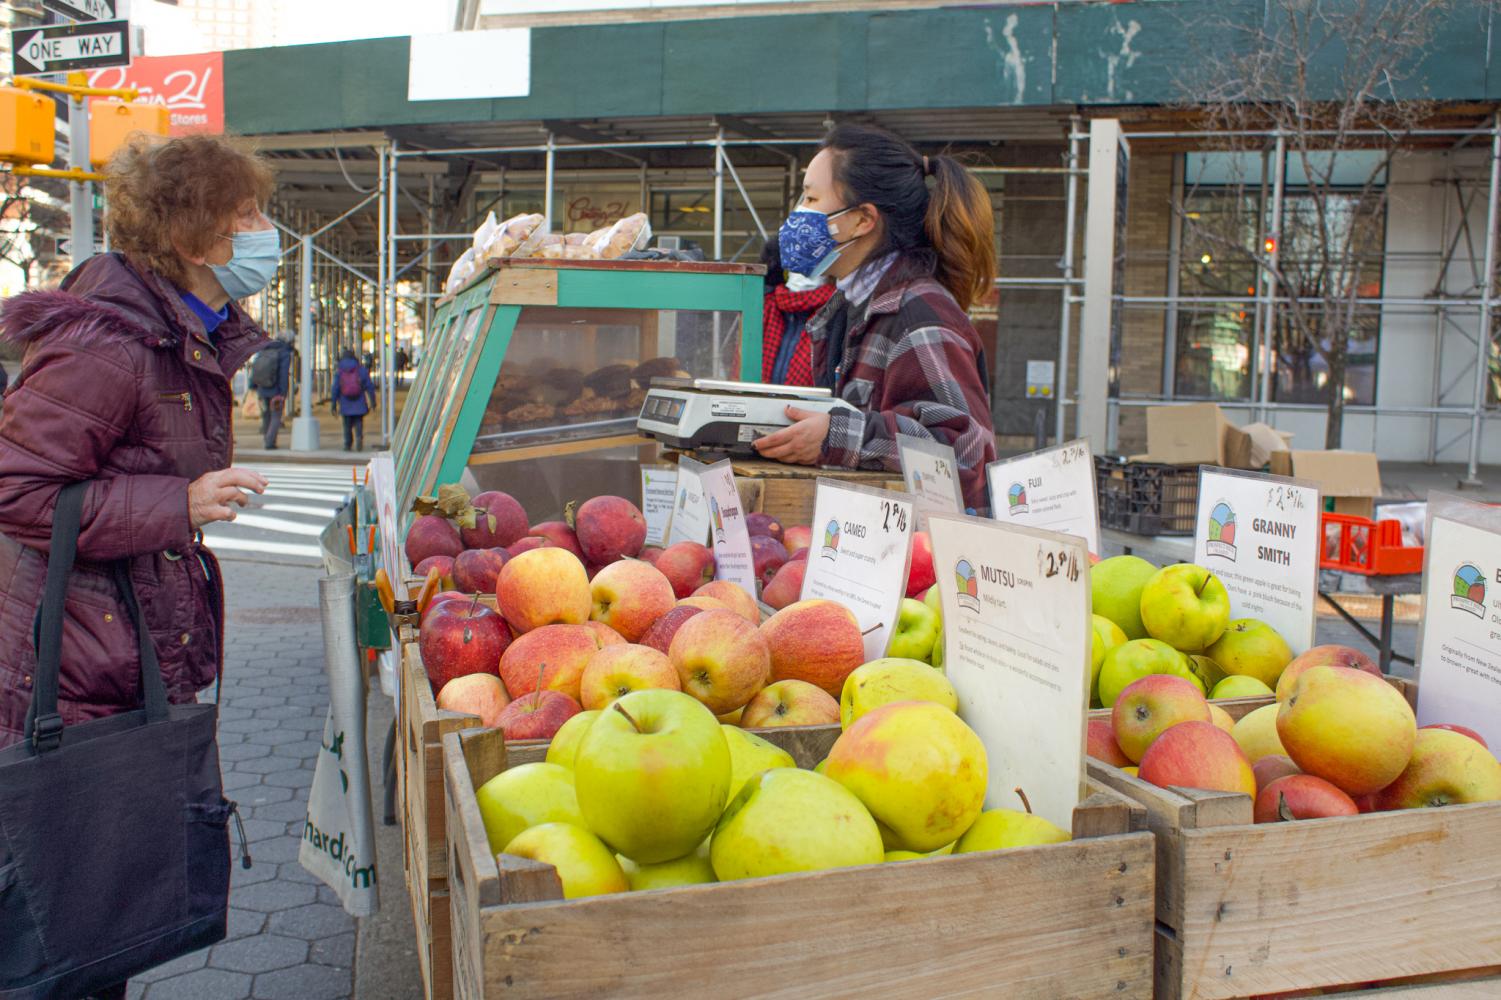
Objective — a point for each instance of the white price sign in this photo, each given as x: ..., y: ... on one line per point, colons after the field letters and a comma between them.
x: 932, y: 474
x: 1053, y: 489
x: 659, y: 491
x: 1016, y: 646
x: 862, y: 539
x: 1260, y: 535
x: 389, y: 554
x: 689, y: 520
x: 728, y: 534
x: 1459, y: 650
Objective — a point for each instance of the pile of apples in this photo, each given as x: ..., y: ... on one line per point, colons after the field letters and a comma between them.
x: 1338, y: 740
x: 653, y: 791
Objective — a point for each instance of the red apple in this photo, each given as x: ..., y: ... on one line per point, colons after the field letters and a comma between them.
x: 659, y: 636
x: 801, y: 555
x: 1330, y: 655
x: 545, y: 586
x: 763, y: 524
x: 1271, y: 767
x: 1198, y: 755
x: 797, y: 538
x: 920, y: 573
x: 1462, y: 730
x: 475, y: 694
x: 817, y: 641
x: 558, y: 653
x: 629, y: 596
x: 786, y: 587
x: 767, y: 556
x: 537, y: 716
x: 604, y: 634
x: 526, y: 544
x: 1301, y: 796
x: 558, y: 533
x: 476, y: 570
x: 651, y: 553
x: 444, y: 566
x: 733, y: 596
x: 688, y: 565
x: 1099, y: 743
x: 432, y: 535
x: 721, y: 659
x: 498, y: 521
x: 1147, y: 708
x: 609, y: 528
x: 460, y: 639
x: 790, y: 703
x: 615, y: 671
x: 442, y: 597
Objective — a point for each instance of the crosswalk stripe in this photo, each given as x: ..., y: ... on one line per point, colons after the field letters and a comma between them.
x: 217, y: 542
x: 292, y: 508
x: 279, y: 525
x: 335, y: 498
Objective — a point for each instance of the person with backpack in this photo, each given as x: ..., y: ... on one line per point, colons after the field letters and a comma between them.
x: 354, y: 396
x: 270, y: 375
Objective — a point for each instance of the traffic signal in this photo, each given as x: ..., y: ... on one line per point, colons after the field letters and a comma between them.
x: 112, y: 122
x: 27, y: 132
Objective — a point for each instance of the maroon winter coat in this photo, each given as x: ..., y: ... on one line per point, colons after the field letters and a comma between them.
x: 122, y: 386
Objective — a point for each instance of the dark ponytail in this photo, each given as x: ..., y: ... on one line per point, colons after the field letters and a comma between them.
x: 936, y: 214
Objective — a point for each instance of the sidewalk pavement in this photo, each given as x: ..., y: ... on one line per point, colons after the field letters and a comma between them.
x: 250, y: 445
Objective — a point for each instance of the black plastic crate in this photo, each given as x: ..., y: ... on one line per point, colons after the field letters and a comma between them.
x: 1147, y: 498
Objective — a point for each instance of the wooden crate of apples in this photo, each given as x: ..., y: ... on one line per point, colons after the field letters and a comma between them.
x: 1300, y: 847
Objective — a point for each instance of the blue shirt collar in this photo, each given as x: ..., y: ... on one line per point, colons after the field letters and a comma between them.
x: 211, y: 318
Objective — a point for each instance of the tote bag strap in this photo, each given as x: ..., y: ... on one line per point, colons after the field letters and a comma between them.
x: 44, y: 726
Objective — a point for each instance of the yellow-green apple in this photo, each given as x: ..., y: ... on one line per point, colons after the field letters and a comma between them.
x: 786, y: 587
x: 1462, y: 730
x: 817, y: 641
x: 1150, y: 706
x: 618, y: 670
x: 1330, y: 655
x: 1301, y: 796
x: 763, y: 524
x: 787, y: 820
x: 524, y: 796
x: 933, y: 598
x: 1187, y: 607
x: 790, y: 703
x: 475, y: 694
x: 499, y: 520
x: 432, y: 535
x: 1252, y: 648
x: 1198, y: 755
x: 731, y: 718
x: 1206, y: 670
x: 750, y: 754
x: 628, y: 596
x: 1256, y: 732
x: 1347, y: 726
x: 659, y: 636
x: 565, y: 742
x: 476, y: 570
x: 687, y: 566
x: 460, y: 639
x: 556, y: 533
x: 1221, y: 718
x: 733, y: 596
x: 797, y: 537
x: 920, y: 572
x: 690, y: 869
x: 609, y: 528
x: 1271, y: 767
x: 1135, y: 659
x: 536, y: 716
x: 917, y: 627
x: 936, y: 659
x: 1105, y: 636
x: 652, y: 775
x: 881, y: 682
x: 903, y: 856
x: 586, y: 867
x: 999, y: 829
x: 1241, y: 686
x: 1447, y: 768
x: 767, y: 556
x: 1099, y: 743
x: 721, y: 659
x: 919, y: 770
x: 556, y: 653
x: 546, y: 586
x: 1115, y: 591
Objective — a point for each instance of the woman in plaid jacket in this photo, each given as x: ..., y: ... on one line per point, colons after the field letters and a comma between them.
x: 910, y: 242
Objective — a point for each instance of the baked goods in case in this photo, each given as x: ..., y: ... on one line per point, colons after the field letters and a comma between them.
x: 463, y: 269
x: 512, y: 236
x: 629, y: 233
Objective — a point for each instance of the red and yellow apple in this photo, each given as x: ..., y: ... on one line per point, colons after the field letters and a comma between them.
x: 817, y: 641
x: 659, y: 635
x: 1347, y: 726
x: 618, y: 670
x: 1149, y: 707
x: 1301, y: 796
x: 475, y: 694
x: 1462, y: 730
x: 1256, y: 732
x: 1330, y: 655
x: 546, y: 586
x: 797, y: 538
x: 1271, y: 767
x: 1447, y: 768
x: 1198, y: 755
x: 687, y: 566
x: 920, y: 572
x: 721, y: 659
x: 734, y: 596
x: 881, y: 682
x: 628, y: 596
x: 555, y: 653
x: 1099, y: 743
x: 536, y: 716
x: 786, y: 587
x: 609, y: 528
x: 459, y: 639
x: 790, y: 703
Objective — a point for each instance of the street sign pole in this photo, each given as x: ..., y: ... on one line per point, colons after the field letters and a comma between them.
x: 78, y: 157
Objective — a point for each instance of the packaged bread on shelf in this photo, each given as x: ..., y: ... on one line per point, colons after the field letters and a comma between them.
x: 574, y: 251
x: 463, y: 269
x: 576, y: 239
x: 511, y: 236
x: 630, y: 233
x: 551, y: 247
x: 485, y: 233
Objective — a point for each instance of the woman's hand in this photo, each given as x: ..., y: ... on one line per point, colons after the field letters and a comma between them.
x: 800, y: 444
x: 213, y: 496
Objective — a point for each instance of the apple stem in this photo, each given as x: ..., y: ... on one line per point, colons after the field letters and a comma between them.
x: 871, y: 629
x: 1284, y: 811
x: 1199, y: 590
x: 1023, y: 796
x: 472, y: 607
x: 621, y: 709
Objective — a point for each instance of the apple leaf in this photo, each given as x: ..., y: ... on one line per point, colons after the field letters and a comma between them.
x: 570, y: 514
x: 1284, y: 811
x: 451, y: 502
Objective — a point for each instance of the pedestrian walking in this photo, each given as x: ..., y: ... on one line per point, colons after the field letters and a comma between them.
x: 125, y: 388
x: 270, y: 376
x: 354, y: 396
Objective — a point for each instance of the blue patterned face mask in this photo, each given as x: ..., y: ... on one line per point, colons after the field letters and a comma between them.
x: 257, y: 253
x: 805, y: 243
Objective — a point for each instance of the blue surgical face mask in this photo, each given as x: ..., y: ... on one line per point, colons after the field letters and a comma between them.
x: 805, y: 243
x: 257, y: 253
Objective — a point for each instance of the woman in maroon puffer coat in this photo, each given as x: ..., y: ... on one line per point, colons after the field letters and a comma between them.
x: 125, y: 383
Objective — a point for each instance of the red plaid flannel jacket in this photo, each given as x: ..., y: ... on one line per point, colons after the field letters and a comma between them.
x: 912, y: 365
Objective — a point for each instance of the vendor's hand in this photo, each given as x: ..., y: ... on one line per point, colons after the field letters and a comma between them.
x: 213, y: 496
x: 800, y: 444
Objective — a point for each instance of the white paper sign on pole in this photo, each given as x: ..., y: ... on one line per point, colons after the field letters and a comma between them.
x: 1052, y: 489
x: 729, y: 536
x: 1459, y: 647
x: 659, y: 490
x: 931, y: 473
x: 862, y: 539
x: 1260, y: 535
x: 690, y: 509
x: 1016, y: 646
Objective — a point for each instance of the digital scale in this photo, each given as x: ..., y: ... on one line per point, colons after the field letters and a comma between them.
x: 716, y: 415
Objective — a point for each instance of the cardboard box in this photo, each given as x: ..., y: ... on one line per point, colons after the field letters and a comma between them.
x: 1264, y: 440
x: 1351, y: 478
x: 1196, y: 434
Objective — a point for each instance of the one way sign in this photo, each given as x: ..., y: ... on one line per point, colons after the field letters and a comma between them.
x: 58, y: 48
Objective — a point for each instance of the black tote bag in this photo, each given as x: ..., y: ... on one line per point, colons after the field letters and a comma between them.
x: 114, y: 838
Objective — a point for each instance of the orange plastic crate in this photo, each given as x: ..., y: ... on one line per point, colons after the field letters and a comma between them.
x: 1361, y: 545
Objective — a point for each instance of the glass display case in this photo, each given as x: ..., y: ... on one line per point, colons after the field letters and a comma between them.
x: 533, y: 373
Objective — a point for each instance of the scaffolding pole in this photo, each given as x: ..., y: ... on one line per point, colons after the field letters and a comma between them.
x: 1488, y: 290
x: 1269, y: 315
x: 1066, y: 265
x: 382, y: 182
x: 388, y: 340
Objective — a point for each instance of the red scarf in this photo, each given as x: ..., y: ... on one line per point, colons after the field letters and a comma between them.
x: 778, y: 304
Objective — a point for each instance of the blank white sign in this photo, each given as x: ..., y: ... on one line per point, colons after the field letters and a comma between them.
x: 456, y: 65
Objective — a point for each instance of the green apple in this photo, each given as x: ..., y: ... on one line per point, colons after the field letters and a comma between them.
x: 524, y: 796
x: 1187, y: 607
x: 1236, y: 686
x: 787, y: 820
x: 653, y: 774
x: 889, y: 679
x: 1135, y: 659
x: 998, y: 829
x: 932, y: 600
x: 1206, y: 670
x: 750, y: 754
x: 917, y: 628
x: 903, y: 856
x: 1252, y: 648
x: 690, y: 869
x: 585, y: 865
x: 937, y: 657
x: 565, y: 742
x: 1107, y: 635
x: 1115, y: 591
